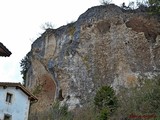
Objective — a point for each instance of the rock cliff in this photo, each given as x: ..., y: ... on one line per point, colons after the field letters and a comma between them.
x: 106, y: 45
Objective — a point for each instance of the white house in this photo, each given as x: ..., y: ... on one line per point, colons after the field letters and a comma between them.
x: 15, y: 101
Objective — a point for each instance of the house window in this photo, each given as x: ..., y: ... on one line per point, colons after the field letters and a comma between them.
x: 9, y: 97
x: 7, y: 117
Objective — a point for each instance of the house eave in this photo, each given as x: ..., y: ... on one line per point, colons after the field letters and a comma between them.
x: 21, y: 87
x: 4, y: 52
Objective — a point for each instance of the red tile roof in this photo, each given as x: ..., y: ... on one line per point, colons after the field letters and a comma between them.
x: 19, y: 86
x: 4, y: 51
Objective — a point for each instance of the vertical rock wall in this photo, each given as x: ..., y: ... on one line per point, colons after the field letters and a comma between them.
x: 106, y: 45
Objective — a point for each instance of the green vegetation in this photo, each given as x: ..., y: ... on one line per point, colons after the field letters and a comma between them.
x: 60, y: 112
x: 141, y: 100
x: 106, y: 102
x: 154, y: 6
x: 150, y: 6
x: 25, y: 64
x: 85, y: 113
x: 56, y: 112
x: 103, y: 106
x: 105, y: 98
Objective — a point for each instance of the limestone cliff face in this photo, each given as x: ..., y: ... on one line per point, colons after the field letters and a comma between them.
x: 106, y: 45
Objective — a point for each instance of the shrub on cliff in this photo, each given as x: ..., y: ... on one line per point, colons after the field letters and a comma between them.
x: 149, y: 6
x: 85, y: 113
x: 47, y: 25
x: 105, y: 2
x: 105, y: 101
x: 58, y: 112
x: 140, y: 100
x: 154, y: 6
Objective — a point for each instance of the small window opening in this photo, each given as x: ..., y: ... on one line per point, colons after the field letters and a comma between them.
x: 7, y: 117
x: 9, y: 97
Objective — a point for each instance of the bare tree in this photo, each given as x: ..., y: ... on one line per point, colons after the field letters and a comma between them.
x: 105, y: 2
x: 47, y: 25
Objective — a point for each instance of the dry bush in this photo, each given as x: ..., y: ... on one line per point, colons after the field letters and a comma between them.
x: 85, y: 113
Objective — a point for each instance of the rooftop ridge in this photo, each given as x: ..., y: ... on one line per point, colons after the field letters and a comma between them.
x: 19, y: 85
x: 5, y: 51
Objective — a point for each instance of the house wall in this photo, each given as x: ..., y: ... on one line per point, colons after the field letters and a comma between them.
x: 19, y: 106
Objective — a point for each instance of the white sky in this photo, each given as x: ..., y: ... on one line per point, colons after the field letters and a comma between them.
x: 21, y: 21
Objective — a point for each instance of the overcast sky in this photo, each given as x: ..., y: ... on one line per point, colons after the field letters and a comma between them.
x: 21, y: 22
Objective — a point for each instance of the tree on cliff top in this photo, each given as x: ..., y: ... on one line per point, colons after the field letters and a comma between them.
x: 105, y: 2
x: 47, y: 25
x: 154, y: 6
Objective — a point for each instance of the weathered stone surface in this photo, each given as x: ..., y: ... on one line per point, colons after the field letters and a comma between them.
x: 104, y: 46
